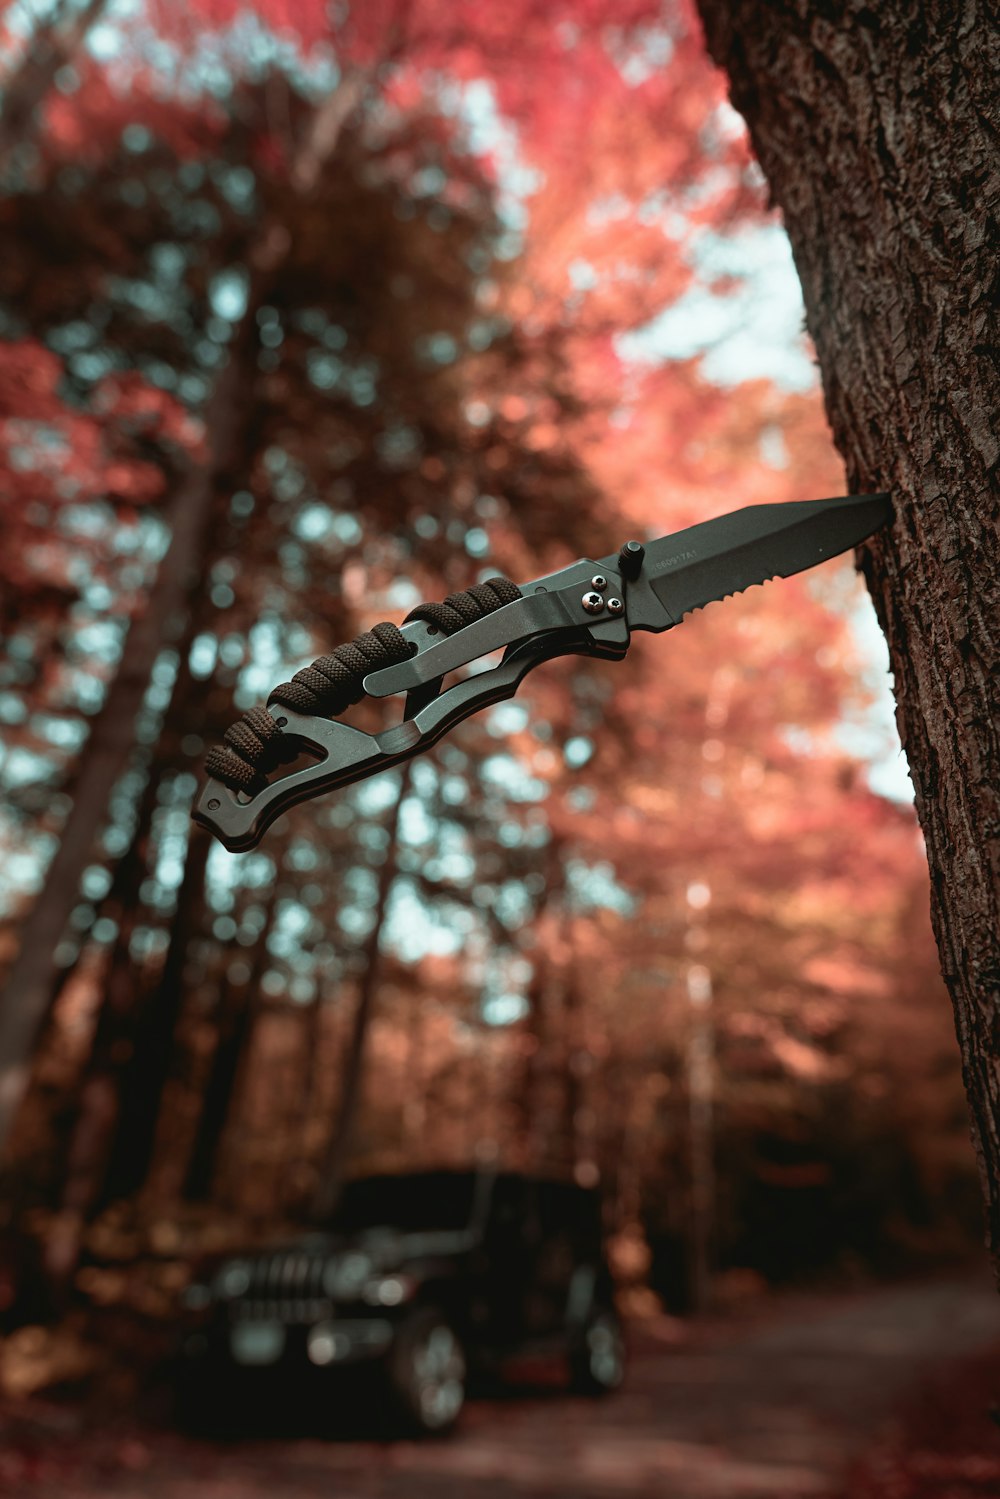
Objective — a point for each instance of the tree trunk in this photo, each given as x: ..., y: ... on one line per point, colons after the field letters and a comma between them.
x: 93, y: 1126
x: 342, y: 1134
x: 149, y: 1065
x: 237, y: 1006
x: 878, y: 133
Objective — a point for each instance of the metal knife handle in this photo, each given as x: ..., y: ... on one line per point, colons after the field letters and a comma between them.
x: 346, y: 754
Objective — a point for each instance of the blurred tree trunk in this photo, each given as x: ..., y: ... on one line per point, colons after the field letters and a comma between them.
x: 105, y: 754
x: 149, y: 1064
x: 617, y: 1159
x: 578, y: 1131
x: 52, y: 46
x: 93, y: 1126
x: 528, y: 1079
x: 303, y: 1183
x: 118, y: 905
x: 93, y: 1130
x: 237, y: 1005
x: 877, y: 128
x: 413, y: 1114
x: 190, y: 514
x: 341, y: 1140
x: 531, y: 1123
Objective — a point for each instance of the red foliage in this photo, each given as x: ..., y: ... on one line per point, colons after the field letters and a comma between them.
x: 57, y: 455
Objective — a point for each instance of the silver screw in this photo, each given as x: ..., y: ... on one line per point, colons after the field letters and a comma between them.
x: 599, y: 582
x: 615, y: 606
x: 593, y: 603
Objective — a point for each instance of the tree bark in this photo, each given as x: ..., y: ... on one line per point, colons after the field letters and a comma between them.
x: 878, y: 129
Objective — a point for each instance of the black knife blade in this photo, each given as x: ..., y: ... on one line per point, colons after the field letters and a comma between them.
x: 720, y: 557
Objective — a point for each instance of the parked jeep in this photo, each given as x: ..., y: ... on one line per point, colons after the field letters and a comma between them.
x: 425, y: 1277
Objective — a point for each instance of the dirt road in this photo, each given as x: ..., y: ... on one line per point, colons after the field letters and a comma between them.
x: 771, y: 1408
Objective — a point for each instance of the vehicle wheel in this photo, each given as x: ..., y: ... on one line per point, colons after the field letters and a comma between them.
x: 427, y: 1372
x: 597, y: 1362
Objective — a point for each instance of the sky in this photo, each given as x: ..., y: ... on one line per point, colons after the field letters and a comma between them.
x: 755, y: 332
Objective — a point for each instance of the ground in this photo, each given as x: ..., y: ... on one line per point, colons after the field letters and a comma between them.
x: 777, y: 1404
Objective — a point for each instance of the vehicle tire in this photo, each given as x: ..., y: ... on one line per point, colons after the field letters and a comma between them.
x: 427, y: 1372
x: 597, y: 1358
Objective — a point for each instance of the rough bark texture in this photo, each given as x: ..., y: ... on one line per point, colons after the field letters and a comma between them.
x: 878, y: 129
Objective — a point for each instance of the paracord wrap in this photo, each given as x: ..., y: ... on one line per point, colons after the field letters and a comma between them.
x: 255, y: 744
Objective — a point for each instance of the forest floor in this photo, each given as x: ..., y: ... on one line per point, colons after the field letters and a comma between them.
x: 781, y: 1402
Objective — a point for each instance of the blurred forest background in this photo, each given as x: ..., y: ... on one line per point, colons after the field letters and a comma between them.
x: 311, y: 312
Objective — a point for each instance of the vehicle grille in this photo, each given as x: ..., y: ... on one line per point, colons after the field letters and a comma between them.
x: 287, y: 1287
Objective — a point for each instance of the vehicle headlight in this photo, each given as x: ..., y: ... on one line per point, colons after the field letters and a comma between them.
x: 390, y: 1290
x: 345, y: 1276
x: 325, y: 1344
x: 234, y: 1278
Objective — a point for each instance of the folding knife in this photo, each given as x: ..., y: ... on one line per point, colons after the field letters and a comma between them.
x: 589, y: 608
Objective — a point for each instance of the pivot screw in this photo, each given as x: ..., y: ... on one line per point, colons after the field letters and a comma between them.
x: 615, y: 606
x: 599, y: 582
x: 593, y: 603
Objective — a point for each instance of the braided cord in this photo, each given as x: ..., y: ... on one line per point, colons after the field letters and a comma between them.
x: 460, y: 609
x: 255, y: 744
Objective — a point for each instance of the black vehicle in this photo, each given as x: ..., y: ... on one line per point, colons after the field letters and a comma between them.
x: 425, y: 1278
